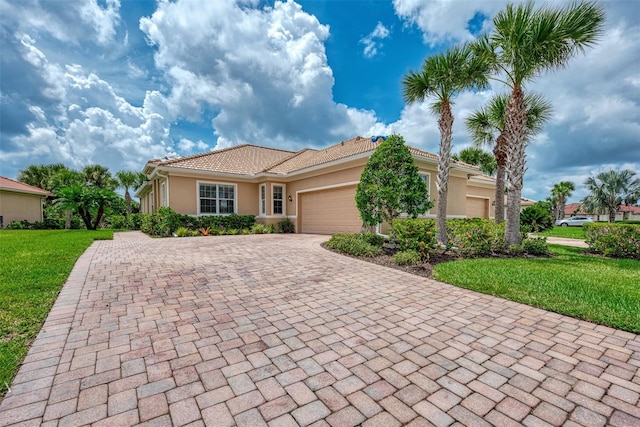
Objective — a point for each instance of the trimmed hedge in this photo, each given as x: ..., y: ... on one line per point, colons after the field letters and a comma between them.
x: 356, y: 244
x: 613, y: 239
x: 476, y: 236
x: 166, y: 221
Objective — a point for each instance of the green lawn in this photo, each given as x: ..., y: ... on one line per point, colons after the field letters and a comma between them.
x: 568, y: 232
x: 33, y: 267
x: 600, y: 290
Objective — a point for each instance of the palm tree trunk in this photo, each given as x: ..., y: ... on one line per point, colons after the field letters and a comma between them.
x: 127, y: 199
x: 499, y: 151
x: 445, y: 123
x: 515, y: 133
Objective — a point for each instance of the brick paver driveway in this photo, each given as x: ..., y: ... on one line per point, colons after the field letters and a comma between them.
x: 273, y: 329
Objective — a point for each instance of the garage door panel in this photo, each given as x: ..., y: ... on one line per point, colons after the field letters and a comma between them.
x: 330, y: 211
x: 477, y: 207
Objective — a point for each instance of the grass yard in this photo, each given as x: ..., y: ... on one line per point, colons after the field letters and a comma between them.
x: 34, y: 266
x: 601, y: 290
x: 567, y: 232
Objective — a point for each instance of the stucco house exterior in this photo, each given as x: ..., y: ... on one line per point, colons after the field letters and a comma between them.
x: 314, y: 188
x: 20, y: 201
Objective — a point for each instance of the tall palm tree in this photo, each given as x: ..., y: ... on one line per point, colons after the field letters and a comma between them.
x: 99, y: 176
x: 487, y: 126
x: 608, y: 190
x: 523, y: 44
x: 41, y: 176
x: 442, y: 77
x: 559, y: 195
x: 127, y: 180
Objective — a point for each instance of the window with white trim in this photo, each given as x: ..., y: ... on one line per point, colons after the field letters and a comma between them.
x: 216, y: 199
x: 278, y: 199
x: 263, y: 199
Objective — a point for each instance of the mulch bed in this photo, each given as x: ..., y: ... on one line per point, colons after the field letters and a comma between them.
x: 424, y: 270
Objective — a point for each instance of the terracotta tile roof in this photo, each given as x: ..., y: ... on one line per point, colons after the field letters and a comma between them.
x: 240, y: 159
x: 11, y: 185
x: 252, y: 159
x: 310, y: 157
x: 633, y: 209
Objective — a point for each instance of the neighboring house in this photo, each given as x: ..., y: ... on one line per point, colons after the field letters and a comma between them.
x: 624, y: 213
x: 20, y: 201
x: 314, y: 188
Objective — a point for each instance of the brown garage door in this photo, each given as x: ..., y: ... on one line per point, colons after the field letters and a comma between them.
x: 477, y: 207
x: 330, y: 211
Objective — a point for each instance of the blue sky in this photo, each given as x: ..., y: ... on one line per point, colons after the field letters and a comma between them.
x: 120, y: 82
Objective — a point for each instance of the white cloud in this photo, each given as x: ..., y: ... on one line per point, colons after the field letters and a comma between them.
x: 263, y: 71
x: 89, y: 122
x: 372, y: 42
x: 445, y: 20
x: 188, y: 147
x: 70, y: 23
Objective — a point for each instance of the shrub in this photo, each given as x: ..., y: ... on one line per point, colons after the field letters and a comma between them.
x: 118, y: 222
x: 183, y: 232
x: 166, y: 221
x: 629, y: 221
x: 286, y: 226
x: 15, y: 225
x: 537, y: 217
x: 613, y: 240
x: 536, y: 246
x: 475, y: 236
x: 372, y: 239
x: 416, y: 234
x: 205, y: 231
x: 409, y: 257
x: 353, y: 244
x: 261, y: 229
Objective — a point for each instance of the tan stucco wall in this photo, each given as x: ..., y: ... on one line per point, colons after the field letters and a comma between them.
x: 183, y: 194
x: 19, y: 206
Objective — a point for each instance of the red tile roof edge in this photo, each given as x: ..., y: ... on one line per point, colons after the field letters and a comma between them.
x: 13, y: 185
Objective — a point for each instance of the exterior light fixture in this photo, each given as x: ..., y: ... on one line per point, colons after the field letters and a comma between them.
x: 290, y: 198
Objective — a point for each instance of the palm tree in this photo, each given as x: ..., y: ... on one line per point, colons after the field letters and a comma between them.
x: 608, y: 190
x: 559, y: 195
x: 41, y: 176
x: 442, y: 77
x: 129, y: 179
x: 477, y: 157
x: 523, y: 44
x: 487, y: 125
x: 99, y: 176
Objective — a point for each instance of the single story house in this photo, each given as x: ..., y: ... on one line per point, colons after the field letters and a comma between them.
x: 314, y: 188
x: 625, y: 212
x: 20, y: 201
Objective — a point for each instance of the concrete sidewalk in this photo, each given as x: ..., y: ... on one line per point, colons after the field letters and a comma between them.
x: 274, y: 330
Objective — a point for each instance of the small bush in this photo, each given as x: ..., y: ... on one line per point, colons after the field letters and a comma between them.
x: 537, y: 217
x: 15, y: 225
x: 536, y: 246
x: 372, y: 239
x: 353, y: 244
x: 613, y: 240
x: 416, y: 234
x: 409, y: 257
x: 205, y: 231
x: 629, y: 221
x: 475, y: 236
x: 183, y: 232
x: 286, y: 226
x: 259, y: 229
